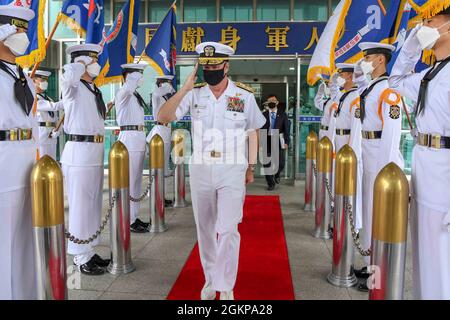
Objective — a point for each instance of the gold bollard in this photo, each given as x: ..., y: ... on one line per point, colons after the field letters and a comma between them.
x: 389, y: 234
x: 323, y: 201
x: 178, y: 160
x: 47, y: 202
x: 311, y: 162
x: 119, y: 188
x: 157, y: 190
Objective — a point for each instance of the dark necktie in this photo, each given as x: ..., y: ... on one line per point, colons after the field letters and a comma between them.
x: 365, y: 93
x: 22, y: 91
x: 46, y: 97
x: 141, y: 101
x: 430, y: 75
x: 341, y: 101
x: 101, y: 108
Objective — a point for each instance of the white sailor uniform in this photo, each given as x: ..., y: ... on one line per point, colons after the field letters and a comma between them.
x: 47, y: 119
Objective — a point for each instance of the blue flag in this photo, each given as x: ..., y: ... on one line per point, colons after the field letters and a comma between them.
x: 121, y: 41
x: 161, y: 51
x: 36, y: 50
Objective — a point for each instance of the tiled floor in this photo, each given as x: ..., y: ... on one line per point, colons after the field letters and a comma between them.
x: 159, y: 258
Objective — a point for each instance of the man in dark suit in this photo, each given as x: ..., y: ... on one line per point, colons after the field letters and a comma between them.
x: 277, y: 122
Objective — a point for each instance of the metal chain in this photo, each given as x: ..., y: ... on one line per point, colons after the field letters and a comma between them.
x: 75, y: 240
x: 314, y: 169
x: 355, y: 235
x: 146, y: 192
x: 330, y: 194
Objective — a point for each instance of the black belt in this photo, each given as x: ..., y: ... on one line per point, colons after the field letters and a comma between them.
x: 343, y: 132
x: 47, y: 124
x: 16, y: 134
x: 433, y: 141
x: 132, y: 128
x: 372, y: 134
x: 162, y: 124
x: 322, y: 127
x: 83, y: 138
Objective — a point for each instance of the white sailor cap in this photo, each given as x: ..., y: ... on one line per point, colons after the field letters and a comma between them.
x: 212, y: 53
x: 87, y: 49
x: 16, y: 15
x: 345, y: 67
x: 165, y: 77
x: 134, y: 67
x: 376, y: 48
x: 42, y: 74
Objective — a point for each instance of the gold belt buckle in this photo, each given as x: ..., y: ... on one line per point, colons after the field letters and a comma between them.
x: 98, y: 139
x: 13, y: 135
x: 215, y: 154
x: 25, y: 134
x: 141, y: 128
x: 435, y: 141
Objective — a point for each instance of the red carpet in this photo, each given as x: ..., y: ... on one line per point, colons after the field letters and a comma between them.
x: 264, y: 272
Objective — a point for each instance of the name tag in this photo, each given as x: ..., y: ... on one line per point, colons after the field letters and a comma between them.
x: 199, y: 107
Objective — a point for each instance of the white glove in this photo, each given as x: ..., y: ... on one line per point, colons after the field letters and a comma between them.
x: 358, y: 70
x: 7, y: 30
x: 321, y: 91
x: 135, y: 76
x: 412, y: 44
x: 55, y: 134
x: 334, y: 88
x: 84, y: 59
x: 359, y: 78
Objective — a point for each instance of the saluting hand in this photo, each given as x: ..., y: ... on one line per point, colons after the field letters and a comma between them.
x: 191, y: 79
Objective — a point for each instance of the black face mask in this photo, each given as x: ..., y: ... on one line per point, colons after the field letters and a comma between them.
x: 272, y: 105
x: 214, y: 77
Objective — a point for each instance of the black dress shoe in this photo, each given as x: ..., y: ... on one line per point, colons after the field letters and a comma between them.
x: 168, y: 203
x: 90, y: 268
x: 362, y: 286
x: 362, y: 273
x: 142, y: 223
x: 271, y: 188
x: 100, y: 261
x: 136, y: 227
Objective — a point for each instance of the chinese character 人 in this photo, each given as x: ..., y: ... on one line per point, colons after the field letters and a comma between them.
x: 192, y: 37
x: 277, y: 38
x: 230, y: 37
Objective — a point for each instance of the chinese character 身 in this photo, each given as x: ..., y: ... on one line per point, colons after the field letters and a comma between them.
x: 230, y: 37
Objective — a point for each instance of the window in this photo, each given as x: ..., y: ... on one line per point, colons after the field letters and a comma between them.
x: 316, y: 10
x: 199, y: 10
x: 157, y: 9
x: 236, y: 10
x: 117, y: 6
x: 272, y: 10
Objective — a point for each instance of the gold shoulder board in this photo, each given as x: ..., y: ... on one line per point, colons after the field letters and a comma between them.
x: 245, y: 87
x: 199, y: 85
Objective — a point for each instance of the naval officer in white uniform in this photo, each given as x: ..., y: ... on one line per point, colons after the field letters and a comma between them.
x: 18, y: 134
x: 430, y: 207
x: 47, y: 115
x: 82, y: 158
x: 223, y: 112
x: 163, y: 92
x: 131, y: 107
x: 324, y: 102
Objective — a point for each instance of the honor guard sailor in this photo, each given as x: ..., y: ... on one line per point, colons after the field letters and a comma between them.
x: 47, y: 115
x: 18, y: 134
x: 82, y: 158
x: 380, y: 114
x: 324, y: 102
x: 131, y: 107
x: 163, y: 92
x: 222, y: 113
x: 430, y: 207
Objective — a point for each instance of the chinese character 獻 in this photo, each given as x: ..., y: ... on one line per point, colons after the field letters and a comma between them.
x: 192, y: 37
x: 230, y: 37
x: 314, y: 39
x: 277, y: 37
x: 149, y: 33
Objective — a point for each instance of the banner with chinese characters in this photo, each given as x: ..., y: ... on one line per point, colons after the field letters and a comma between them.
x: 251, y: 38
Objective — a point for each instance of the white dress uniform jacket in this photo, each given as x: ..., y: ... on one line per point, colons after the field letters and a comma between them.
x: 47, y: 145
x: 325, y: 107
x: 17, y: 159
x: 82, y: 161
x: 383, y: 112
x: 218, y: 185
x: 131, y: 113
x: 430, y: 210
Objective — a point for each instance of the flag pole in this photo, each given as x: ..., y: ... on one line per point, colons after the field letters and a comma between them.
x: 407, y: 114
x: 47, y: 44
x: 145, y: 48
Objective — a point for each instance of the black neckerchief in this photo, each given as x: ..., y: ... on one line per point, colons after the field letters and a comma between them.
x: 341, y: 101
x: 47, y: 98
x: 366, y: 92
x: 22, y: 91
x: 101, y: 108
x: 141, y: 101
x: 430, y: 75
x: 326, y: 101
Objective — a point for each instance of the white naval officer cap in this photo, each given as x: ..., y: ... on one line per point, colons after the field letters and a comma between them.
x: 165, y: 77
x: 213, y: 53
x: 88, y: 49
x: 345, y: 67
x: 134, y: 67
x: 16, y: 15
x: 42, y: 74
x: 376, y: 48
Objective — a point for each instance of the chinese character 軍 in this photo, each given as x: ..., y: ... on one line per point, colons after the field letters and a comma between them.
x: 192, y: 37
x: 230, y: 37
x: 277, y: 37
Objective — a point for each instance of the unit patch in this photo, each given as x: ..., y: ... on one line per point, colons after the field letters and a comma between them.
x: 235, y: 104
x: 358, y: 113
x: 394, y: 112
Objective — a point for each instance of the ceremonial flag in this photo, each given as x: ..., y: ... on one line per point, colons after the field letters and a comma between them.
x: 121, y: 42
x: 161, y: 51
x: 429, y: 8
x: 36, y: 50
